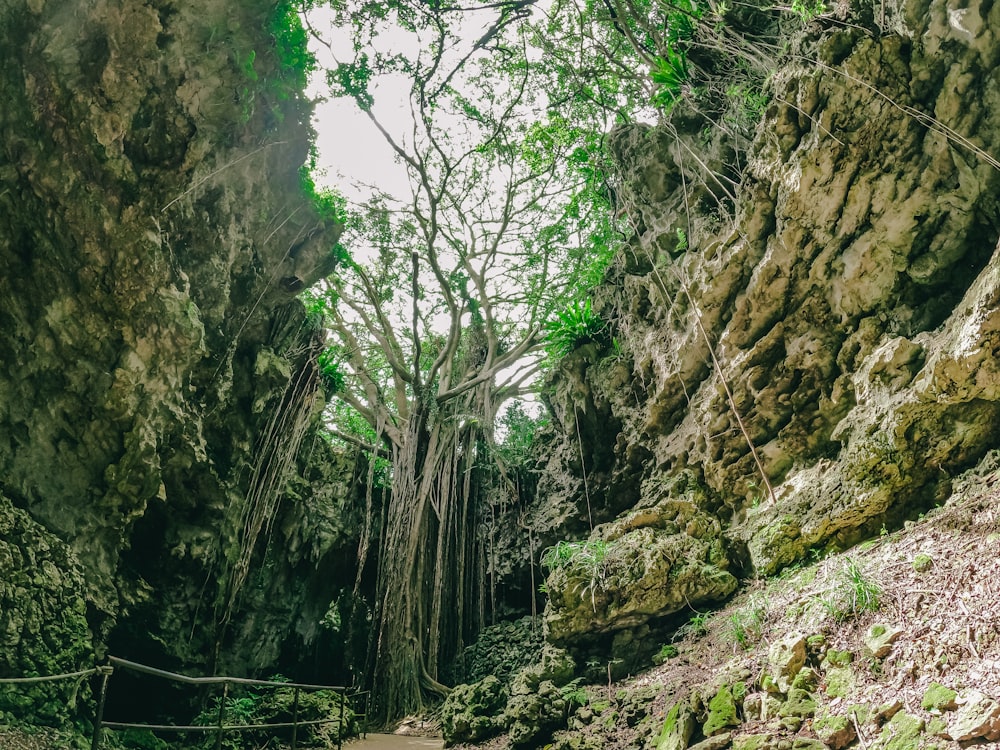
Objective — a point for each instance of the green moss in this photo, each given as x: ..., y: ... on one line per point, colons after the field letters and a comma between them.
x: 937, y: 697
x: 800, y: 703
x: 835, y: 658
x: 721, y: 712
x: 936, y: 726
x: 678, y: 726
x: 834, y: 729
x: 839, y: 682
x: 752, y: 741
x: 922, y: 563
x: 903, y: 732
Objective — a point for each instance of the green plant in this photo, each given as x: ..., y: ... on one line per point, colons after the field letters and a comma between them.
x: 575, y: 694
x: 667, y: 651
x: 575, y: 326
x: 852, y: 594
x: 140, y: 739
x: 588, y: 562
x: 807, y: 10
x: 276, y: 706
x: 745, y: 627
x: 585, y: 555
x: 694, y: 627
x: 670, y: 75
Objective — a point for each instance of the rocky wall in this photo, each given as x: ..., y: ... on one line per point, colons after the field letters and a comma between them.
x: 838, y: 313
x: 153, y: 235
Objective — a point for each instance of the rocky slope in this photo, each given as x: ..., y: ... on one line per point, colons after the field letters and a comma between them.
x: 799, y: 360
x: 890, y: 646
x: 158, y: 379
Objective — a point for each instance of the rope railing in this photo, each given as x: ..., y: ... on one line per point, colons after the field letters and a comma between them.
x: 48, y: 678
x: 220, y: 727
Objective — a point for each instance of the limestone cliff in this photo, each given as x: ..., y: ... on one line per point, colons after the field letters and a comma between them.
x: 834, y: 313
x: 158, y: 379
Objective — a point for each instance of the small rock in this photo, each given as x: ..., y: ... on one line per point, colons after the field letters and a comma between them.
x: 805, y: 743
x: 887, y: 711
x: 721, y: 712
x: 784, y: 659
x: 879, y: 639
x: 938, y: 698
x: 753, y: 742
x: 717, y: 742
x: 922, y: 563
x: 835, y: 658
x: 901, y: 733
x: 791, y: 723
x: 978, y: 715
x: 678, y: 726
x: 835, y: 730
x: 799, y: 703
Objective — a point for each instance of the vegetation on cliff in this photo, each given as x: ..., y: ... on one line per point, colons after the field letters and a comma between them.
x: 761, y: 343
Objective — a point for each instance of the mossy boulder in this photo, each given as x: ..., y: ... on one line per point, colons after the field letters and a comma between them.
x: 836, y: 730
x: 721, y: 712
x: 785, y: 659
x: 555, y: 665
x: 978, y: 715
x: 472, y: 713
x: 678, y: 727
x: 532, y: 718
x: 647, y: 564
x: 799, y: 704
x: 902, y: 732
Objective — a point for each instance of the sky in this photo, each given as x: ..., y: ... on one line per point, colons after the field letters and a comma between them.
x: 350, y: 149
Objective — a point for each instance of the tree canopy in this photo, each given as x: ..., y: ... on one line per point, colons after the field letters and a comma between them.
x: 457, y: 281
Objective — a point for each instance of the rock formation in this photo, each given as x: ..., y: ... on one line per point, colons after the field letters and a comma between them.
x: 158, y: 379
x: 806, y: 357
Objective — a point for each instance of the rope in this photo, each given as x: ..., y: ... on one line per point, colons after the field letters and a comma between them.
x: 49, y: 678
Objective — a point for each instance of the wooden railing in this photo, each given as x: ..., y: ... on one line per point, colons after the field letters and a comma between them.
x: 358, y: 699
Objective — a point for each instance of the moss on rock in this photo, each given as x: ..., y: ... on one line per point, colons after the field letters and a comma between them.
x: 43, y: 624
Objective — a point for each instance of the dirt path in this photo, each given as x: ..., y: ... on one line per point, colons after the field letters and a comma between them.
x: 395, y: 742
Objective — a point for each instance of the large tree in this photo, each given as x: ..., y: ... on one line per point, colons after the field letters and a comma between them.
x: 441, y: 315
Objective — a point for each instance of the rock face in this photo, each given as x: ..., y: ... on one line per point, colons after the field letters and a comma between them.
x: 815, y: 349
x: 158, y: 377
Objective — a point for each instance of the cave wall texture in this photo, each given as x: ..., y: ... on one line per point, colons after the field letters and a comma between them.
x: 850, y: 306
x: 161, y: 489
x: 157, y: 375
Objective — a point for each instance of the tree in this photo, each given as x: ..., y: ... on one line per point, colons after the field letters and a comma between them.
x: 442, y: 313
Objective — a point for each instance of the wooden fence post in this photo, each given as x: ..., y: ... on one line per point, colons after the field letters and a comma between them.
x: 105, y: 673
x: 222, y: 715
x: 340, y: 729
x: 295, y: 718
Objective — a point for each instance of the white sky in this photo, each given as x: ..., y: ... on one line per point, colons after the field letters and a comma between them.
x: 351, y: 151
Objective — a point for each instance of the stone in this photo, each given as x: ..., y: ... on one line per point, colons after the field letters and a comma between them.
x: 835, y: 730
x: 938, y: 698
x: 807, y: 743
x: 661, y: 560
x: 784, y: 660
x: 761, y: 706
x: 721, y: 712
x: 678, y: 726
x: 799, y: 703
x: 753, y: 742
x: 713, y: 743
x: 977, y: 716
x: 470, y: 712
x: 902, y: 732
x: 878, y: 639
